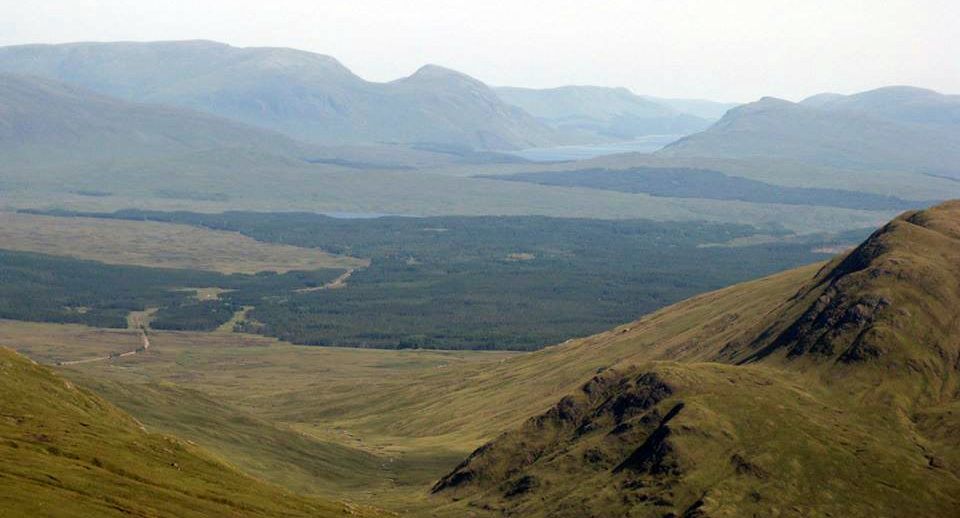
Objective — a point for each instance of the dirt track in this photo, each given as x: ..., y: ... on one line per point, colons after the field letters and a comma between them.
x: 144, y: 345
x: 339, y: 282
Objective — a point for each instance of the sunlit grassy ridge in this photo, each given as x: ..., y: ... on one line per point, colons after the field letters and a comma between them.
x: 839, y: 401
x: 66, y: 452
x: 730, y: 441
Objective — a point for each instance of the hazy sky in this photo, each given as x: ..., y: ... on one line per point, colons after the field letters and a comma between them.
x: 734, y: 50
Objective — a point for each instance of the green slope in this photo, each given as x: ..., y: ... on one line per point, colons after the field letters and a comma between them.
x: 65, y: 452
x: 712, y: 439
x: 769, y: 425
x: 255, y: 445
x: 839, y: 399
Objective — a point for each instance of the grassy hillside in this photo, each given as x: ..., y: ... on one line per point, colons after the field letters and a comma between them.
x: 840, y: 402
x: 826, y: 390
x: 704, y: 440
x: 885, y: 311
x: 67, y: 452
x: 255, y: 445
x: 218, y: 389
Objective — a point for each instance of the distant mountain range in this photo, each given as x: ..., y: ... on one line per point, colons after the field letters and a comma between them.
x: 613, y: 113
x: 282, y: 128
x: 893, y: 128
x: 314, y: 98
x: 307, y: 96
x: 904, y: 104
x: 47, y: 121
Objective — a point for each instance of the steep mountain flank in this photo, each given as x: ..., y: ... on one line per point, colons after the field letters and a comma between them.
x: 704, y: 440
x: 887, y: 311
x: 840, y: 399
x: 65, y: 452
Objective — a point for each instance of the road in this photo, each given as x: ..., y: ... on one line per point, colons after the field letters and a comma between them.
x: 339, y: 282
x: 144, y: 345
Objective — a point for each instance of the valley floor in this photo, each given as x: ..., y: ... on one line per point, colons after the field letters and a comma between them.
x: 372, y: 426
x: 309, y: 418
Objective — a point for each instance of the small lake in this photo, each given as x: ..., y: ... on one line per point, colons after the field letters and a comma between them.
x: 356, y: 215
x: 647, y: 144
x: 367, y: 215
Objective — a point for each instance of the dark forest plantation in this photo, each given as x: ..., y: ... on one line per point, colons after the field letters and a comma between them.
x: 247, y: 279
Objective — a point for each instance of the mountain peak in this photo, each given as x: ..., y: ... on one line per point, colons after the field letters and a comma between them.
x: 860, y: 366
x: 302, y: 94
x: 901, y: 90
x: 432, y: 70
x: 768, y: 101
x: 430, y: 73
x: 821, y: 99
x: 764, y: 104
x: 760, y: 107
x: 889, y: 304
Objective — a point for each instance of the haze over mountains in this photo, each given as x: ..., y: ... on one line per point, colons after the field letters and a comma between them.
x: 308, y: 96
x: 315, y: 99
x: 61, y: 123
x: 893, y: 128
x: 190, y: 123
x: 613, y: 113
x: 323, y: 290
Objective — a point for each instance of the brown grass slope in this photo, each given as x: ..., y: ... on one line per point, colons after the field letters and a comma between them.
x: 66, y: 452
x: 838, y: 399
x: 163, y: 245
